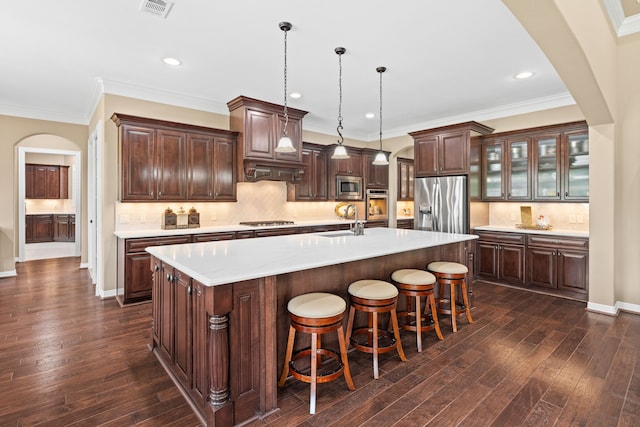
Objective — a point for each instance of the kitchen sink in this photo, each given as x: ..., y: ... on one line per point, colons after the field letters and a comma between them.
x: 340, y: 234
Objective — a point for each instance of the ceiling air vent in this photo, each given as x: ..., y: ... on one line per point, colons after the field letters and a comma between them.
x: 156, y: 7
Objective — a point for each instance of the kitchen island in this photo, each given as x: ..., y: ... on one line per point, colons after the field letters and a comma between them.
x: 219, y: 308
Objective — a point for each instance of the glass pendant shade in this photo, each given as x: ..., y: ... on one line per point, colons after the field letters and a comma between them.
x: 340, y: 153
x: 381, y: 159
x: 285, y: 145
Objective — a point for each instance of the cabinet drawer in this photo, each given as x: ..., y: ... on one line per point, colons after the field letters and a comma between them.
x: 558, y: 241
x: 138, y: 245
x: 513, y: 238
x: 213, y: 237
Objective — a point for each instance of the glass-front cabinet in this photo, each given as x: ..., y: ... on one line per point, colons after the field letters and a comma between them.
x: 518, y: 178
x: 493, y: 154
x: 547, y: 167
x: 475, y: 166
x: 576, y: 181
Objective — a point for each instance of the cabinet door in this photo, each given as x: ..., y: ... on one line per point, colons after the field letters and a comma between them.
x: 487, y: 260
x: 573, y: 270
x: 259, y: 134
x: 171, y: 162
x: 405, y: 180
x: 138, y: 149
x: 29, y: 181
x: 64, y: 182
x: 541, y: 267
x: 137, y: 281
x: 475, y: 168
x: 224, y: 169
x: 453, y: 153
x: 157, y: 303
x: 351, y: 166
x: 546, y: 171
x: 304, y: 189
x: 200, y: 167
x: 576, y: 166
x: 43, y: 228
x: 518, y: 170
x: 182, y: 329
x: 319, y: 177
x: 376, y: 176
x: 61, y: 225
x: 511, y: 264
x: 40, y: 182
x: 426, y: 156
x: 72, y: 228
x: 167, y: 310
x: 30, y: 229
x: 200, y: 369
x: 493, y: 160
x: 53, y: 182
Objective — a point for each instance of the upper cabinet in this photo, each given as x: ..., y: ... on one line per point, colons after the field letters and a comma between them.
x: 260, y: 125
x: 550, y: 163
x: 444, y: 150
x: 313, y: 184
x: 405, y: 179
x: 46, y: 181
x: 170, y: 161
x: 375, y: 176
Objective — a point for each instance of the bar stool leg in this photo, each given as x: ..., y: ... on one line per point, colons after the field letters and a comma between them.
x: 465, y: 300
x: 314, y: 372
x: 374, y: 325
x: 345, y: 361
x: 431, y: 302
x: 418, y: 323
x: 396, y: 333
x: 287, y: 357
x: 347, y: 336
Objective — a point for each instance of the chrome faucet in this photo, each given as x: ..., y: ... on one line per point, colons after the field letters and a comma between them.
x: 357, y: 228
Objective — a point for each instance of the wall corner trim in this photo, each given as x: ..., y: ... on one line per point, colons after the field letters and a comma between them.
x: 10, y: 273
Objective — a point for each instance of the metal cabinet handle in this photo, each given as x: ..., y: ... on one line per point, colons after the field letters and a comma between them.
x: 558, y: 194
x: 156, y: 267
x: 159, y: 193
x: 566, y: 194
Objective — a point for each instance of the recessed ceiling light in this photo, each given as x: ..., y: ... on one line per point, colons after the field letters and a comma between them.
x: 369, y: 115
x: 295, y: 95
x: 524, y: 75
x: 171, y: 61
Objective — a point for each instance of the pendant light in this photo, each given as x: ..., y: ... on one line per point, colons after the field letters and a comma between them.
x: 381, y: 158
x: 285, y: 145
x: 340, y: 152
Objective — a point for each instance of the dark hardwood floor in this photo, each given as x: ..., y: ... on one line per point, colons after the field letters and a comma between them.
x: 68, y: 358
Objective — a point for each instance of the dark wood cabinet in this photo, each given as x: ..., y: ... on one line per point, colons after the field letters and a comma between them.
x: 170, y: 161
x: 46, y: 181
x: 64, y: 227
x: 558, y: 263
x: 375, y: 176
x: 376, y: 223
x: 444, y: 150
x: 260, y: 125
x: 405, y: 179
x: 313, y: 184
x: 276, y: 232
x: 501, y: 257
x: 549, y: 163
x: 406, y: 224
x: 475, y: 169
x: 554, y: 264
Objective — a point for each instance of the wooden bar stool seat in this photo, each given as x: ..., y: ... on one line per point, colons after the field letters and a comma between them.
x: 374, y: 297
x: 316, y: 313
x: 453, y: 275
x: 415, y: 284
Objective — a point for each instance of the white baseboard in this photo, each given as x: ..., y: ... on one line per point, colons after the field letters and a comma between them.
x: 107, y: 294
x: 613, y: 310
x: 84, y: 265
x: 11, y: 273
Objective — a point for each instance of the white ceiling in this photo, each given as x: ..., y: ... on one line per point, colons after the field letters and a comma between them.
x: 447, y: 61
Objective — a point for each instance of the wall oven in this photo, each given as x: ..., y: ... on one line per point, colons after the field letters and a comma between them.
x: 348, y: 187
x: 377, y: 205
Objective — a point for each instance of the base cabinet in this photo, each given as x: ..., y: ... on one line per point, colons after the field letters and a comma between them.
x: 554, y: 264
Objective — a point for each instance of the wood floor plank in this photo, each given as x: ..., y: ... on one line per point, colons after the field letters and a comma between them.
x: 68, y: 358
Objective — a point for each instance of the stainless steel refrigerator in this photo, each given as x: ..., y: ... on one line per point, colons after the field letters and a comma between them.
x: 441, y: 204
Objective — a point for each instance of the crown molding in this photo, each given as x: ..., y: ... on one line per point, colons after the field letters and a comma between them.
x: 623, y: 25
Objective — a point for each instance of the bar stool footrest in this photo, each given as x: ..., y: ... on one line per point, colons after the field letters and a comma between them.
x: 322, y: 376
x: 386, y: 340
x: 427, y: 323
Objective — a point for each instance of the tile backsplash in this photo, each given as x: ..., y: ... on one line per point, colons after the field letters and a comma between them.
x: 264, y: 200
x: 564, y: 216
x: 35, y: 206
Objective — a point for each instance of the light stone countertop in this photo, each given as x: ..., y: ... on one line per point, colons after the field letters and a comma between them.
x: 553, y: 232
x: 229, y: 261
x: 158, y: 232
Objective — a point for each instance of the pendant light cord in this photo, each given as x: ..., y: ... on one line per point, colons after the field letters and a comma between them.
x: 339, y: 128
x: 286, y: 114
x: 380, y: 72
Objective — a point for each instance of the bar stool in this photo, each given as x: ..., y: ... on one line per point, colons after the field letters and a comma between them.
x: 316, y: 313
x: 414, y: 284
x: 374, y: 297
x: 451, y: 274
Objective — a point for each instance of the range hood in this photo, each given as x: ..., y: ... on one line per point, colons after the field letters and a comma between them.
x: 264, y: 171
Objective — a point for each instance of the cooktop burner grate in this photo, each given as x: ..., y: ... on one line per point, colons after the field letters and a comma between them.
x: 266, y: 223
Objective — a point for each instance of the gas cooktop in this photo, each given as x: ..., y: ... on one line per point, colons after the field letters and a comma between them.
x: 266, y: 223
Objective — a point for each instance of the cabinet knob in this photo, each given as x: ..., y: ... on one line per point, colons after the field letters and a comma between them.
x: 150, y: 193
x: 159, y: 193
x: 566, y: 194
x: 156, y: 267
x: 558, y: 194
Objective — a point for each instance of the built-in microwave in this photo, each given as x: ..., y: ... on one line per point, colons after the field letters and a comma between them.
x: 348, y: 187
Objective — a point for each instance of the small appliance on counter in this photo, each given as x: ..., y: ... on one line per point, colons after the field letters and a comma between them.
x: 194, y: 218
